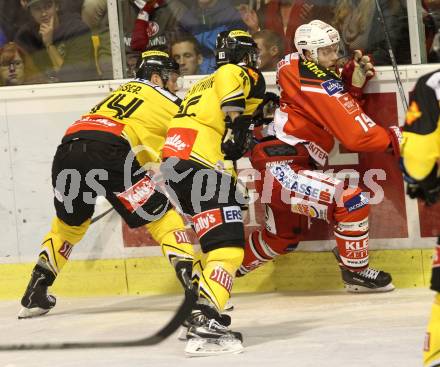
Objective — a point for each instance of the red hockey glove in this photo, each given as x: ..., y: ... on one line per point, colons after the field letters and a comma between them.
x: 395, y: 135
x: 356, y: 73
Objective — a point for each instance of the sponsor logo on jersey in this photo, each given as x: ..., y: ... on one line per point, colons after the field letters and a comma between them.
x: 332, y: 86
x: 179, y: 143
x: 325, y: 196
x: 207, y: 220
x: 356, y: 202
x: 353, y: 250
x: 356, y: 245
x: 253, y: 74
x: 413, y: 113
x: 356, y: 252
x: 181, y: 237
x: 232, y: 214
x: 65, y: 250
x: 353, y: 226
x: 301, y: 184
x: 349, y: 104
x: 294, y: 182
x: 96, y: 123
x: 137, y: 195
x: 222, y: 277
x: 317, y: 153
x: 314, y: 68
x: 309, y: 208
x: 277, y: 163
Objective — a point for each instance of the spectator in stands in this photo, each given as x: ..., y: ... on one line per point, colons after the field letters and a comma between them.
x: 185, y: 50
x: 16, y: 67
x: 207, y: 19
x: 156, y: 23
x: 3, y: 38
x: 271, y: 47
x: 94, y: 14
x: 431, y: 19
x: 13, y: 15
x: 131, y: 60
x: 60, y: 45
x: 285, y: 16
x: 359, y: 26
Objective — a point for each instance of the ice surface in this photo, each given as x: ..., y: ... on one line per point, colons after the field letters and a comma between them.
x: 331, y: 329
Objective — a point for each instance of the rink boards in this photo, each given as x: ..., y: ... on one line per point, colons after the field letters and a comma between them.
x: 112, y: 259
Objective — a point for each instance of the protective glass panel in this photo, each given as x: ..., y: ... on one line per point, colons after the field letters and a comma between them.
x: 49, y: 41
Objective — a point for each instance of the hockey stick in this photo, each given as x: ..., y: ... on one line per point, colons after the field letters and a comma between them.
x: 102, y: 215
x: 393, y: 59
x: 179, y: 317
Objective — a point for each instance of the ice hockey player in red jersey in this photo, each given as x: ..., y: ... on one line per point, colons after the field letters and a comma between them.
x: 317, y: 105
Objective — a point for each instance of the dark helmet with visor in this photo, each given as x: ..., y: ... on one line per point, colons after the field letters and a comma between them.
x: 236, y: 47
x: 156, y: 62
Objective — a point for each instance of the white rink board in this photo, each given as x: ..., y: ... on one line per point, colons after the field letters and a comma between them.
x: 32, y: 122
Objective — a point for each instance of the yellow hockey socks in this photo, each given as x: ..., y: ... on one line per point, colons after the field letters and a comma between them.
x: 215, y: 273
x: 57, y: 244
x: 431, y: 352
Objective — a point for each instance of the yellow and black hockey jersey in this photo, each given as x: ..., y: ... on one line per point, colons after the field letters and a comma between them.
x: 420, y: 148
x: 139, y: 112
x: 196, y: 131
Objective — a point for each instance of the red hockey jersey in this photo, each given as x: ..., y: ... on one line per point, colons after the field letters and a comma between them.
x: 315, y: 108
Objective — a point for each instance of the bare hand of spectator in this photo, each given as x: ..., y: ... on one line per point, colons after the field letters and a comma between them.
x: 249, y: 17
x: 305, y: 11
x: 46, y: 32
x: 23, y: 4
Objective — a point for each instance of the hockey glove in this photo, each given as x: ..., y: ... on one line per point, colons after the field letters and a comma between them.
x: 237, y: 139
x: 427, y: 189
x: 266, y: 109
x: 395, y: 135
x: 356, y: 73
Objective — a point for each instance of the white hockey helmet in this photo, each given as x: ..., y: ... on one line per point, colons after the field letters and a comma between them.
x: 314, y: 35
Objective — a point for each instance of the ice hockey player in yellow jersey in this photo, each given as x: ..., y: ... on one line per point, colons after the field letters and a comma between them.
x: 107, y: 152
x: 420, y: 151
x: 211, y: 130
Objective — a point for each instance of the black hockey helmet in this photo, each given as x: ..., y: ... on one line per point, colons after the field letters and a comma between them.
x: 236, y: 47
x: 155, y: 61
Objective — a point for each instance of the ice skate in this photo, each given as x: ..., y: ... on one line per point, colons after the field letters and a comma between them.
x: 366, y: 281
x: 210, y: 336
x: 183, y: 332
x: 36, y: 301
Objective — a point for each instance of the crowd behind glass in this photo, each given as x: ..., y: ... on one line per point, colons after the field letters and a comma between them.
x: 47, y: 41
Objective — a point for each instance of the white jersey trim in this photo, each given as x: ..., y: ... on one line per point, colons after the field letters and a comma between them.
x: 315, y: 151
